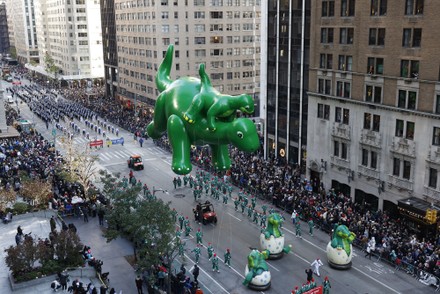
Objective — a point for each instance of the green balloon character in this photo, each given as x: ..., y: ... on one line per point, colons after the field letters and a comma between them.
x: 193, y: 112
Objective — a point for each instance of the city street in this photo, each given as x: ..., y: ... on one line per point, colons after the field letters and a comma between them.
x: 236, y: 232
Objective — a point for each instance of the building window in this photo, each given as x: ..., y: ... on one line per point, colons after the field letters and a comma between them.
x: 372, y: 122
x: 409, y: 69
x: 410, y: 129
x: 327, y: 35
x: 324, y: 86
x: 437, y: 104
x: 336, y: 148
x: 342, y: 115
x: 328, y: 8
x: 436, y: 136
x: 199, y: 14
x: 414, y: 7
x: 373, y: 94
x: 323, y: 111
x: 326, y: 61
x: 400, y: 129
x: 345, y: 62
x: 412, y: 38
x: 344, y: 150
x: 199, y: 40
x: 343, y: 89
x: 346, y: 35
x: 407, y: 99
x: 406, y: 169
x: 378, y: 7
x: 347, y: 7
x: 373, y: 160
x: 432, y: 182
x: 375, y: 66
x: 396, y: 167
x: 377, y: 37
x: 216, y: 14
x: 340, y: 149
x: 364, y: 157
x: 372, y: 155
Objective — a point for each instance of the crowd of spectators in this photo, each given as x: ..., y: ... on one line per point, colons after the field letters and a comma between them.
x: 290, y: 191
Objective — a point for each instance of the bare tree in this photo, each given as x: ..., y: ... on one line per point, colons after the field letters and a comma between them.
x: 7, y: 197
x: 79, y: 164
x: 37, y: 191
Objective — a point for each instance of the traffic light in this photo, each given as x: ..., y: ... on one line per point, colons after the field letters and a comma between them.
x: 431, y: 215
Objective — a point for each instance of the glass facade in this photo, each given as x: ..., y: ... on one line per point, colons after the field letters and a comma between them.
x: 284, y: 78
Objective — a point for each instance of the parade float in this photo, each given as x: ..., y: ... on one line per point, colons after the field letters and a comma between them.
x: 272, y: 238
x: 193, y: 112
x: 257, y: 274
x: 340, y: 249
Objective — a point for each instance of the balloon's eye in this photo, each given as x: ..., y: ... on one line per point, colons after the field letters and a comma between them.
x: 240, y: 135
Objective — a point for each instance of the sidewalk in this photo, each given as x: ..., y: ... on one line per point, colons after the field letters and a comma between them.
x: 122, y: 275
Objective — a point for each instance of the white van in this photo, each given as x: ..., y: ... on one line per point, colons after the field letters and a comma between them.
x: 10, y: 100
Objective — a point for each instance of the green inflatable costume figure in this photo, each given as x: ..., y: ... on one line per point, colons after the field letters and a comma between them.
x: 193, y: 112
x: 339, y: 249
x: 272, y: 238
x: 257, y: 275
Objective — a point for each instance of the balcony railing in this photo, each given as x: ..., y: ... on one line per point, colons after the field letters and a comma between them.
x: 400, y: 183
x: 371, y: 138
x: 368, y: 172
x: 403, y: 146
x: 341, y: 131
x: 434, y: 154
x: 339, y: 162
x: 431, y: 192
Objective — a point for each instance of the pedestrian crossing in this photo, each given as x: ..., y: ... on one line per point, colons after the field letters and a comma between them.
x: 117, y: 154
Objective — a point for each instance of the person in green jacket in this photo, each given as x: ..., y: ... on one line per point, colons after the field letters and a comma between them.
x: 228, y: 257
x: 326, y: 286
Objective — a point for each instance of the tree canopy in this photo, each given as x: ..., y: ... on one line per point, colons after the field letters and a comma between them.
x: 147, y: 223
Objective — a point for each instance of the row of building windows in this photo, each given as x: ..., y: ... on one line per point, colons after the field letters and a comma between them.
x: 377, y: 8
x: 403, y: 129
x: 411, y: 37
x: 401, y: 166
x: 198, y: 28
x: 196, y: 15
x: 217, y: 3
x: 375, y: 65
x: 406, y: 98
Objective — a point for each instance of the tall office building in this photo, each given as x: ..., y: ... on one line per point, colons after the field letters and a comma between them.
x: 374, y: 102
x: 22, y: 28
x: 70, y: 33
x: 285, y: 54
x: 4, y: 36
x: 108, y: 24
x: 223, y: 34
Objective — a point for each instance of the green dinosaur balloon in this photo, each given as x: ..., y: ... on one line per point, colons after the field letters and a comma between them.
x: 272, y: 238
x: 342, y: 238
x: 257, y: 266
x: 195, y: 113
x: 339, y: 249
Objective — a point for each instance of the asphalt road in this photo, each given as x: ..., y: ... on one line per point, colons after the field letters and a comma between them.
x: 236, y: 232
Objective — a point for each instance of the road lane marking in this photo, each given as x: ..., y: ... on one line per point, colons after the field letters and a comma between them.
x: 272, y: 266
x: 234, y: 217
x: 111, y: 164
x: 209, y: 276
